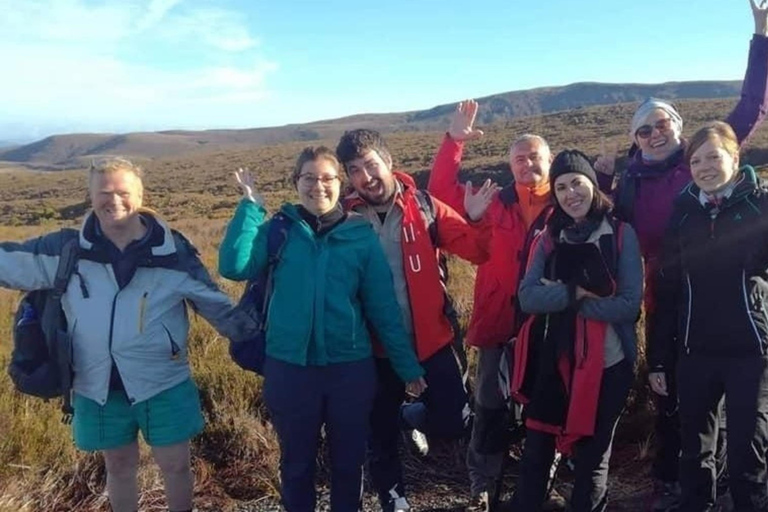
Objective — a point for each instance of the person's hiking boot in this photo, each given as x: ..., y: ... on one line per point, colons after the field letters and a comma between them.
x: 666, y: 496
x: 479, y: 503
x: 401, y: 505
x: 420, y: 442
x: 555, y: 502
x: 396, y: 503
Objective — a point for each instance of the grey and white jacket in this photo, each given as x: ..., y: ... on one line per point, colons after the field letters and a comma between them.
x: 144, y: 326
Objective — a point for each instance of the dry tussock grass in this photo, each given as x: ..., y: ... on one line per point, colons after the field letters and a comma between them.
x: 236, y: 458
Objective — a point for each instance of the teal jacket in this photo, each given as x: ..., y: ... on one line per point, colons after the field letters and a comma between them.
x: 327, y: 290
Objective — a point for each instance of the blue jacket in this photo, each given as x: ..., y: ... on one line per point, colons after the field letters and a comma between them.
x: 144, y: 325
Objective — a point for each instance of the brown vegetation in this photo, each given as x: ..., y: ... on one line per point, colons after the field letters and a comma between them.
x: 73, y: 151
x: 236, y: 457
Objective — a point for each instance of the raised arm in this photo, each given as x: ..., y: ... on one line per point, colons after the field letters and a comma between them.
x: 467, y: 239
x: 243, y: 252
x: 444, y: 179
x: 750, y: 111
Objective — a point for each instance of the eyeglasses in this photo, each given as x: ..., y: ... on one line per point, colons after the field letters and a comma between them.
x: 309, y: 180
x: 646, y: 130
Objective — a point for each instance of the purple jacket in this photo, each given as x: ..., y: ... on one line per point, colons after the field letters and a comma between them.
x: 645, y: 192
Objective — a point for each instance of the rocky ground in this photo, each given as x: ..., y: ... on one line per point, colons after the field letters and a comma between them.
x: 438, y: 483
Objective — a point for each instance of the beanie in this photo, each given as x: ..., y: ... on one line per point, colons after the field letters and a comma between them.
x: 571, y: 160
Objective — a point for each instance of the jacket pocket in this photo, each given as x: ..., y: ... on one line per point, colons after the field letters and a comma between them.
x: 174, y: 349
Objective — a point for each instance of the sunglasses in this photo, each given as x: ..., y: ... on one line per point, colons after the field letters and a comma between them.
x: 646, y: 130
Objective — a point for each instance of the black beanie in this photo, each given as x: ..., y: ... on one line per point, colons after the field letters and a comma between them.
x: 571, y: 160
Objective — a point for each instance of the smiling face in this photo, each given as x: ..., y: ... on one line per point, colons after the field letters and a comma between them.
x: 713, y: 166
x: 529, y: 160
x: 319, y: 186
x: 658, y: 137
x: 372, y: 178
x: 116, y: 197
x: 574, y: 193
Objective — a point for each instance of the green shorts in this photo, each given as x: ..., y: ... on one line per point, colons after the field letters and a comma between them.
x: 167, y: 418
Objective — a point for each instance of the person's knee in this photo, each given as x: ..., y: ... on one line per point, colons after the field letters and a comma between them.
x: 122, y: 461
x: 489, y: 431
x: 173, y: 460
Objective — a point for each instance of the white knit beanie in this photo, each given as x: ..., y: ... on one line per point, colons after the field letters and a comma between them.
x: 644, y: 111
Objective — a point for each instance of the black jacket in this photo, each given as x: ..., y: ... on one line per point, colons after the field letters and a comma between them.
x: 712, y: 283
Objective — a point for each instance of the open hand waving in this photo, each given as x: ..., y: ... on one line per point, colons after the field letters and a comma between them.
x: 244, y: 178
x: 463, y: 121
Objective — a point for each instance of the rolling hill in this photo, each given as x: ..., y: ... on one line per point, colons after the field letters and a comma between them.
x: 76, y: 150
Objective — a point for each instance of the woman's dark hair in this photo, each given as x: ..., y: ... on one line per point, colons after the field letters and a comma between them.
x: 559, y: 220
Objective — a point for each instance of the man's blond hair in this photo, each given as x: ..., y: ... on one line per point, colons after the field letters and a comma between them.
x: 113, y: 164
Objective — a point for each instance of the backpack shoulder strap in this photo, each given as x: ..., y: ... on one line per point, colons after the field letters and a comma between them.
x: 277, y: 235
x: 611, y: 245
x: 427, y: 208
x: 626, y: 194
x: 70, y: 253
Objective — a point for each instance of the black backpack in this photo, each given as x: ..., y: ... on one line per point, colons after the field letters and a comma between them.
x: 250, y: 354
x: 41, y: 361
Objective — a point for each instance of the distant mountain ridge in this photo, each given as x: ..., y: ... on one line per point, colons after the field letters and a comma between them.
x: 75, y: 150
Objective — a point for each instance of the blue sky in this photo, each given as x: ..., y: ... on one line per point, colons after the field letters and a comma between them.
x: 130, y: 65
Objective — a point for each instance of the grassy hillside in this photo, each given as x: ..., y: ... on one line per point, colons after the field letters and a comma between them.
x: 236, y: 458
x: 72, y: 151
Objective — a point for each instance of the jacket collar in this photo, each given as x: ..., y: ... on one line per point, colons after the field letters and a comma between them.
x: 746, y: 185
x: 161, y: 240
x: 513, y: 193
x: 639, y: 168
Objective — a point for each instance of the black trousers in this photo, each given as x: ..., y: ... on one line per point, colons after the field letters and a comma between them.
x: 666, y: 463
x: 702, y: 382
x: 591, y: 454
x: 445, y: 404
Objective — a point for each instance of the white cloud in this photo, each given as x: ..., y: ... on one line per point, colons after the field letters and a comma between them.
x: 155, y: 12
x: 217, y: 28
x: 115, y: 64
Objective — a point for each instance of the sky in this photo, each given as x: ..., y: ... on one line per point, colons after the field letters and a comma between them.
x: 117, y: 66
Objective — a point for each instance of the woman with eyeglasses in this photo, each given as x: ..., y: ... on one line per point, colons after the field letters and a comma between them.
x: 644, y: 194
x: 711, y: 324
x: 331, y: 284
